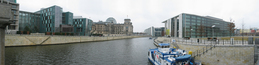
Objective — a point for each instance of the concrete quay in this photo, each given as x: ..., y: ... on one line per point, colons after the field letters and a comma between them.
x: 219, y: 54
x: 28, y: 40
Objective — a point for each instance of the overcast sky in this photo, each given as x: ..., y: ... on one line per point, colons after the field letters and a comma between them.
x: 147, y: 13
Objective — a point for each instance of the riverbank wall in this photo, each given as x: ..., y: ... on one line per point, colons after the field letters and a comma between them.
x: 220, y: 54
x: 28, y: 40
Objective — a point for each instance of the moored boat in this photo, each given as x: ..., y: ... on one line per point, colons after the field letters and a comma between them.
x: 164, y: 55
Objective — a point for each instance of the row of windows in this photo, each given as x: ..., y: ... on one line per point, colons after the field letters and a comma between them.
x: 48, y: 29
x: 78, y: 19
x: 47, y: 14
x: 46, y: 22
x: 80, y: 25
x: 28, y: 14
x: 78, y: 22
x: 46, y: 10
x: 47, y: 17
x: 48, y: 25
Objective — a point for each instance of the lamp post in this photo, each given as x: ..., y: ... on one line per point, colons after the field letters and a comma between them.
x: 213, y: 30
x: 191, y: 32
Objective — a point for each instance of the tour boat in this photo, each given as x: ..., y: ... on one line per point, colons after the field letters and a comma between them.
x: 164, y: 55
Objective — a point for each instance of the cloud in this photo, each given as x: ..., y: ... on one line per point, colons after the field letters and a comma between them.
x: 147, y: 13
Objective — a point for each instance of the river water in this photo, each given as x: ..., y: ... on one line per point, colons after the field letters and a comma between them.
x: 115, y: 52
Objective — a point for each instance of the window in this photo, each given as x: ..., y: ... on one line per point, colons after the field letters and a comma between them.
x: 188, y: 16
x: 188, y: 20
x: 14, y: 12
x: 198, y: 21
x: 198, y: 17
x: 193, y: 17
x: 193, y: 20
x: 14, y: 6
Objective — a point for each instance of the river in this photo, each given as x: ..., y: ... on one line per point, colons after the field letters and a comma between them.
x: 115, y: 52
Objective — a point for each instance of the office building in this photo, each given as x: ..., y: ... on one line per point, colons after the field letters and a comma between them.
x: 51, y: 18
x: 30, y: 20
x: 66, y: 28
x: 195, y: 26
x: 155, y: 31
x: 79, y: 24
x: 67, y: 18
x: 89, y: 23
x: 14, y: 27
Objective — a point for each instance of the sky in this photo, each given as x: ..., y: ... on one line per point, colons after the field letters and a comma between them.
x: 147, y: 13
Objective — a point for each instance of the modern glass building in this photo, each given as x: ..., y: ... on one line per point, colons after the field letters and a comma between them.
x: 155, y: 31
x: 88, y: 27
x: 79, y: 26
x: 51, y: 18
x: 30, y: 20
x: 67, y: 18
x: 195, y: 26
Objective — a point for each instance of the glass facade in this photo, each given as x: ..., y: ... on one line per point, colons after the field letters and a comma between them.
x: 51, y: 18
x: 30, y: 20
x: 79, y: 26
x: 194, y: 26
x: 89, y: 27
x: 67, y: 18
x: 155, y: 31
x: 201, y: 26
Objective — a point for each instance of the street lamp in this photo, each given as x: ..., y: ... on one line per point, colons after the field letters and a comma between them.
x: 191, y: 32
x: 213, y: 30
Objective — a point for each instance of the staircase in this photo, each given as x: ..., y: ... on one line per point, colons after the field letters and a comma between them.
x: 202, y: 51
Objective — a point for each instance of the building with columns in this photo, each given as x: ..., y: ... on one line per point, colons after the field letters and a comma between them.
x: 112, y: 27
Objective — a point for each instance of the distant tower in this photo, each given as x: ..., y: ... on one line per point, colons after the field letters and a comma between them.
x: 128, y: 27
x: 127, y: 21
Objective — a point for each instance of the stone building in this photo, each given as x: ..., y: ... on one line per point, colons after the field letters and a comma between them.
x: 14, y: 26
x: 112, y: 27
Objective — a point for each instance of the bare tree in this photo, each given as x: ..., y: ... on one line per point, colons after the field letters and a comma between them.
x: 201, y: 30
x: 231, y: 27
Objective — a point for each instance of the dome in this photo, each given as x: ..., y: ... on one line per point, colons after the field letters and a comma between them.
x: 111, y: 20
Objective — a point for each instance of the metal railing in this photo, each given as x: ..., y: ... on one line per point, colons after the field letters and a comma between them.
x: 210, y: 42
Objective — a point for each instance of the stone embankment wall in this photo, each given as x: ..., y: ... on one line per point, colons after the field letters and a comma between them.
x: 25, y: 40
x: 221, y: 54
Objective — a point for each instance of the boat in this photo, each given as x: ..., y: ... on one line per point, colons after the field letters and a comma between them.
x: 164, y: 55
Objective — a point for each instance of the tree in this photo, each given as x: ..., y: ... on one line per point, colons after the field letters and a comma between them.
x: 36, y: 29
x: 231, y: 27
x: 168, y: 32
x: 27, y: 29
x: 201, y: 30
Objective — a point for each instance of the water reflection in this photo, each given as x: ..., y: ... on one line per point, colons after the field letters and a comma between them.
x: 115, y: 52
